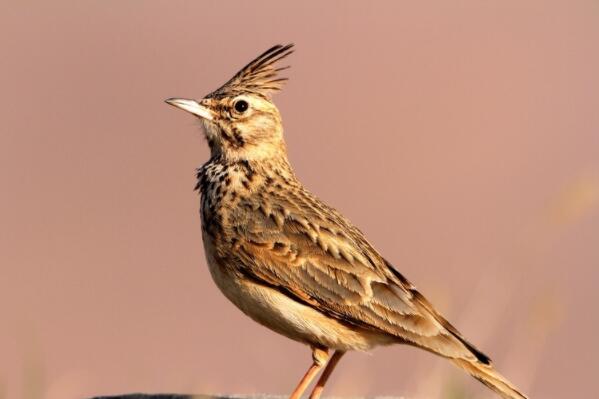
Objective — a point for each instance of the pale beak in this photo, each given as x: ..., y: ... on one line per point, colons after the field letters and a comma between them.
x: 191, y: 106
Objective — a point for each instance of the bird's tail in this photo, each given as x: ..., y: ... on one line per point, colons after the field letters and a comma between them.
x: 487, y: 375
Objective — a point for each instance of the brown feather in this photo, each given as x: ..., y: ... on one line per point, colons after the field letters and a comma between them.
x: 491, y: 378
x: 259, y: 76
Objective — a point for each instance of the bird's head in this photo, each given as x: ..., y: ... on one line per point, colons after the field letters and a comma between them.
x: 239, y: 119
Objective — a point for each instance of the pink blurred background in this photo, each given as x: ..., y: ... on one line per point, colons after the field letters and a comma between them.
x: 462, y: 137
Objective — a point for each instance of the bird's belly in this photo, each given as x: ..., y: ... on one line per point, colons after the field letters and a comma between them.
x: 288, y: 317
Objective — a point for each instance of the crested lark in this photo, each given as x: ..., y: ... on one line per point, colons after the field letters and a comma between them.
x: 291, y: 262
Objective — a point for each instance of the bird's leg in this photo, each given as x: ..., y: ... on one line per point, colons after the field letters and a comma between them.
x: 319, y: 359
x: 317, y: 391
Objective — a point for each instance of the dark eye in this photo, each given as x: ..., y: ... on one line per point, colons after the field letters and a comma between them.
x: 241, y: 106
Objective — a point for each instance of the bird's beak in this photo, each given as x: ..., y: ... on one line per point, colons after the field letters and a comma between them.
x: 191, y: 106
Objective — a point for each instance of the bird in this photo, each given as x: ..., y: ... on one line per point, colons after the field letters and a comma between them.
x: 291, y: 262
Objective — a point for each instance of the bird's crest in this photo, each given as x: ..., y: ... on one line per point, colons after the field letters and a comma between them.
x: 259, y: 76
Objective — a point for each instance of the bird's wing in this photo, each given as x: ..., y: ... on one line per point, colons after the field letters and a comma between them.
x: 313, y: 254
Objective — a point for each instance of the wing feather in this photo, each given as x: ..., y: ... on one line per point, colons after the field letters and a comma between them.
x: 327, y: 263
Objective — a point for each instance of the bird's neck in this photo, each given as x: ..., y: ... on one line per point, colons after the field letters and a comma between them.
x: 251, y: 152
x: 259, y: 171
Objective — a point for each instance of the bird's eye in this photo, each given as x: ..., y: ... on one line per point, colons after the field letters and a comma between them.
x: 241, y: 106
